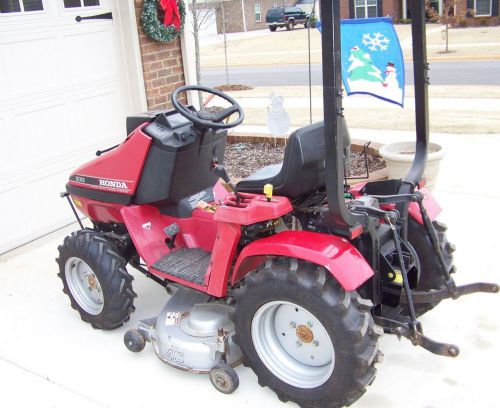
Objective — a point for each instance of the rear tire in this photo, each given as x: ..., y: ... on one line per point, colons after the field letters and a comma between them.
x: 289, y: 301
x: 290, y: 25
x: 96, y: 280
x: 431, y: 275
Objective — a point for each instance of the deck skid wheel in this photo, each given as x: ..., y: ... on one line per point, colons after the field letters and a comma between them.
x: 224, y: 378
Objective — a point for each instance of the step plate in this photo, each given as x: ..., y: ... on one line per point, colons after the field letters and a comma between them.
x: 190, y: 264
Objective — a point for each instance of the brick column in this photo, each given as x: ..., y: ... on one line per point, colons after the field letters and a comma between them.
x: 162, y: 66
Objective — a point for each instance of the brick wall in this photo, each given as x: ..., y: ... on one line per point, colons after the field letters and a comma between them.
x: 234, y: 17
x: 235, y: 22
x: 162, y: 66
x: 265, y: 5
x: 466, y: 7
x: 392, y: 8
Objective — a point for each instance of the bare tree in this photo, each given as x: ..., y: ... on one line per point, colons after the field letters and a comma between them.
x: 449, y: 17
x: 224, y: 19
x: 201, y: 11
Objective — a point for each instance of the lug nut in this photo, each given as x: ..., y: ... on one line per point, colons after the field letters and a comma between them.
x: 316, y: 343
x: 299, y: 344
x: 293, y: 325
x: 309, y: 324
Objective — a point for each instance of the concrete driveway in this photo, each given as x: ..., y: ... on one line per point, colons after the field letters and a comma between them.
x: 50, y: 358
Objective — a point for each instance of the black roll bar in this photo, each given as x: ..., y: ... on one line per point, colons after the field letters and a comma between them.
x: 341, y: 219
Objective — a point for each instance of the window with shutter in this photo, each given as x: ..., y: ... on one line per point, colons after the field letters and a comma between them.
x: 482, y: 8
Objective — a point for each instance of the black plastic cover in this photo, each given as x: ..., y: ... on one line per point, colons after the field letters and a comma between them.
x: 179, y: 162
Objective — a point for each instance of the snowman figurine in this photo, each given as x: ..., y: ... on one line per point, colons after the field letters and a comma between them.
x: 390, y: 80
x: 278, y: 120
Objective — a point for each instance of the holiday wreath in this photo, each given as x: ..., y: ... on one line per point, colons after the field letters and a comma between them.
x: 173, y: 23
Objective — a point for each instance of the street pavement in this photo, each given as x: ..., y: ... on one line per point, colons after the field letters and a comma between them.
x: 441, y: 73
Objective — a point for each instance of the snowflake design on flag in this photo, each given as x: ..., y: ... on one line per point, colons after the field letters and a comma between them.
x: 378, y: 40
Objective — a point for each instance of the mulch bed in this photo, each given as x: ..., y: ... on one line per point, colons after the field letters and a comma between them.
x: 235, y: 87
x: 243, y: 159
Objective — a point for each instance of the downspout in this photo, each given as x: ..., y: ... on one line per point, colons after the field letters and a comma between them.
x: 188, y: 60
x: 405, y: 11
x: 244, y: 18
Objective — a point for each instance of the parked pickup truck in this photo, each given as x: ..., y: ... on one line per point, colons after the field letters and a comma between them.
x: 285, y: 17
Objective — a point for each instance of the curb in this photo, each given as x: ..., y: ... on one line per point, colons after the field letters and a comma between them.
x: 450, y: 58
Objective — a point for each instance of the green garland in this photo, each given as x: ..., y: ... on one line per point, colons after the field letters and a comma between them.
x: 154, y: 28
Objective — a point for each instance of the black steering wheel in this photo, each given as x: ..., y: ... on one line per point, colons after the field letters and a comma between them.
x: 204, y: 118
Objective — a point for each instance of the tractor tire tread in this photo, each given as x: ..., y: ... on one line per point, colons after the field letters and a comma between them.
x: 110, y: 268
x: 431, y: 275
x: 357, y: 370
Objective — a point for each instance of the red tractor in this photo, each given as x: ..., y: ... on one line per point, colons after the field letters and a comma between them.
x: 292, y: 273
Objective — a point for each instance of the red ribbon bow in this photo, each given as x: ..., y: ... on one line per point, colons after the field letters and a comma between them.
x: 172, y: 15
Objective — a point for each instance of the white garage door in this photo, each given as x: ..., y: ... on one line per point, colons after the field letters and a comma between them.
x: 60, y: 100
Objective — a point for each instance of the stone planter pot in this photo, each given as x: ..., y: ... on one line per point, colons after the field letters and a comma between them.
x: 399, y: 158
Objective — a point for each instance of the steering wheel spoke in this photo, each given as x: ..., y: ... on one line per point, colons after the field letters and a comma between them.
x: 203, y: 118
x: 223, y: 114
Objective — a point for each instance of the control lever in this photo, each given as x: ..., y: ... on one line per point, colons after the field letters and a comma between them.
x: 220, y: 171
x: 171, y: 231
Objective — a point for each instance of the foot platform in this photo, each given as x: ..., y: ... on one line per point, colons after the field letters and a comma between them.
x: 189, y: 264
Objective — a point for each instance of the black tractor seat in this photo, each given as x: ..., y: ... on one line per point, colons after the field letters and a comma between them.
x: 302, y: 171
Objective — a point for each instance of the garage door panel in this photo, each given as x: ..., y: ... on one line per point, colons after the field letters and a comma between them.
x: 46, y: 135
x: 61, y: 99
x: 30, y: 138
x: 89, y: 56
x: 97, y: 118
x: 30, y: 66
x: 35, y: 208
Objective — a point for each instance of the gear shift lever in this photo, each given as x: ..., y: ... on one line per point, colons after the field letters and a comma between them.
x: 220, y: 171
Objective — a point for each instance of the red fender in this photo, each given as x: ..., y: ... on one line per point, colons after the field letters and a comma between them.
x: 335, y: 254
x: 431, y: 205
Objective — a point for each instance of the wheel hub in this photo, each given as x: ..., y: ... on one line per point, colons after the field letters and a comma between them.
x: 293, y: 344
x: 84, y: 285
x: 92, y: 280
x: 304, y: 334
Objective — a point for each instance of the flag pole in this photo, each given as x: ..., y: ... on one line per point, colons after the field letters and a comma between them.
x: 309, y: 50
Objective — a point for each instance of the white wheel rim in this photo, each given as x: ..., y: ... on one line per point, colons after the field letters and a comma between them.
x: 84, y: 285
x: 293, y: 344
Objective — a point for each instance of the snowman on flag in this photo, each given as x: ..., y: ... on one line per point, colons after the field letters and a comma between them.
x: 372, y: 60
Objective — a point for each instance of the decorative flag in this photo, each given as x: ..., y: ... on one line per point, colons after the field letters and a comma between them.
x: 172, y: 15
x: 372, y: 60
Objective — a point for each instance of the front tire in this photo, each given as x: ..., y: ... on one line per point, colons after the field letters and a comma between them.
x: 272, y: 29
x: 304, y: 336
x: 96, y: 280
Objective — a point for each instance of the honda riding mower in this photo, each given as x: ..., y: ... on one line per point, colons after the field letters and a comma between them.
x: 290, y: 271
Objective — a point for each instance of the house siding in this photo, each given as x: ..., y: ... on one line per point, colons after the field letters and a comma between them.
x: 162, y: 66
x: 466, y: 8
x: 389, y: 8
